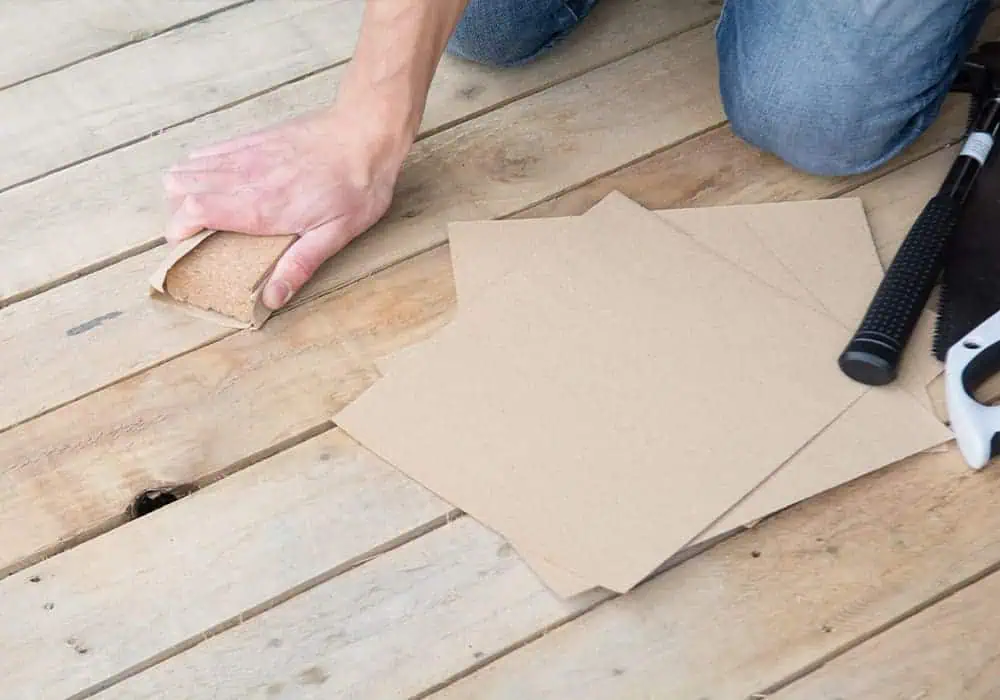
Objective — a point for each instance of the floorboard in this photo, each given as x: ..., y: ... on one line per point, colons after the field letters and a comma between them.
x: 206, y: 413
x: 948, y: 650
x: 767, y: 603
x: 479, y: 169
x: 404, y: 622
x: 169, y: 579
x: 84, y: 28
x: 119, y: 97
x: 302, y: 566
x: 200, y: 413
x: 116, y: 205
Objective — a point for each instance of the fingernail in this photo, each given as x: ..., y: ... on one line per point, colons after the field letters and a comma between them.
x: 276, y: 293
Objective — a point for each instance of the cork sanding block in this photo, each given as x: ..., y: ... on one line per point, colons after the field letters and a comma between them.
x: 220, y: 275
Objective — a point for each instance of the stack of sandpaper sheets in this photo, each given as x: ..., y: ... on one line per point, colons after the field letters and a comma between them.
x: 616, y: 388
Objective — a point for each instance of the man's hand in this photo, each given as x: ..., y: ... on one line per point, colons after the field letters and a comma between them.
x: 328, y: 176
x: 324, y: 176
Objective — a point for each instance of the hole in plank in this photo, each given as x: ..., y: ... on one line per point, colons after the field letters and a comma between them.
x: 154, y: 499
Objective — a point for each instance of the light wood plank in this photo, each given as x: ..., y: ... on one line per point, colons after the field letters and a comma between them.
x: 716, y: 168
x: 71, y: 329
x: 111, y: 206
x: 772, y: 600
x: 189, y: 418
x: 128, y: 94
x: 38, y: 37
x: 73, y: 472
x: 404, y: 622
x: 948, y: 650
x: 162, y: 582
x: 440, y: 184
x: 303, y: 623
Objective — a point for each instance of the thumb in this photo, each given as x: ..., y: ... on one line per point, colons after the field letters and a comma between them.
x: 300, y: 262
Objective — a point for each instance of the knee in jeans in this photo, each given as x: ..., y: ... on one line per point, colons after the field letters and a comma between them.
x: 488, y: 49
x: 504, y: 33
x: 807, y: 126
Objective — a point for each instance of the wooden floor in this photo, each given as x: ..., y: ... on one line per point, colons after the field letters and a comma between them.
x: 292, y: 563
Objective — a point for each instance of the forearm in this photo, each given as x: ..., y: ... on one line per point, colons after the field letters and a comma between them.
x: 400, y: 45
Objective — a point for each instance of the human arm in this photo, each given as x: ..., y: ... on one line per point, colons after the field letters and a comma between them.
x: 329, y: 175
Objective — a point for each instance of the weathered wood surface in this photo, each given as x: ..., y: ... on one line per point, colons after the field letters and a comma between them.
x: 771, y: 602
x: 165, y: 581
x: 485, y: 167
x: 104, y: 208
x: 42, y: 36
x: 948, y: 650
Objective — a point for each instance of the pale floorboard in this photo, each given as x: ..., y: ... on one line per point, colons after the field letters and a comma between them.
x: 76, y: 113
x: 38, y: 37
x: 166, y: 580
x: 770, y: 602
x: 299, y: 575
x: 392, y: 628
x: 93, y: 213
x: 507, y: 172
x: 948, y: 650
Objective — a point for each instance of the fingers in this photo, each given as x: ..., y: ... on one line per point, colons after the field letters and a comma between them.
x: 185, y: 182
x: 301, y: 260
x: 210, y: 210
x: 184, y: 222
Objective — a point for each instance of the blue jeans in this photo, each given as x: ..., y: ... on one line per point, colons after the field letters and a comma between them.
x: 832, y: 87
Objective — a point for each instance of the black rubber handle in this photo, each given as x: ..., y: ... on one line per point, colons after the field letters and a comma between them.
x: 872, y: 356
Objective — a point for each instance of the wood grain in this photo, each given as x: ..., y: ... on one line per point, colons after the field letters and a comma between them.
x: 485, y: 167
x: 772, y: 600
x: 74, y: 472
x: 208, y: 410
x: 404, y: 622
x: 717, y: 168
x: 63, y: 451
x: 948, y: 650
x: 168, y: 579
x: 82, y: 28
x: 128, y: 94
x: 95, y: 212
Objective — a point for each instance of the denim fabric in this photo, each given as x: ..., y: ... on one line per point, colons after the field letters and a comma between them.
x: 838, y: 87
x: 832, y: 87
x: 513, y: 32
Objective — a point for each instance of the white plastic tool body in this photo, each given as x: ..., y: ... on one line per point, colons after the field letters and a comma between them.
x: 968, y: 364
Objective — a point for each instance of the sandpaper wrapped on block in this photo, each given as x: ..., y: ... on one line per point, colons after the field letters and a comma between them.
x: 220, y: 275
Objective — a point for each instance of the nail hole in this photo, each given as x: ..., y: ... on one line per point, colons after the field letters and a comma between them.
x: 154, y: 499
x: 35, y: 579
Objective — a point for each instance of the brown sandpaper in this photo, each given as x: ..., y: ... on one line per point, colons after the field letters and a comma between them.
x: 220, y: 275
x: 802, y: 256
x: 533, y: 410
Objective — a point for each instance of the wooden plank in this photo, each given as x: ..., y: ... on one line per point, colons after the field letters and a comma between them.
x: 83, y: 28
x: 437, y: 186
x: 165, y: 581
x: 116, y: 206
x: 406, y: 621
x: 119, y: 97
x: 716, y: 168
x: 772, y: 600
x: 208, y: 410
x: 74, y: 472
x: 946, y: 651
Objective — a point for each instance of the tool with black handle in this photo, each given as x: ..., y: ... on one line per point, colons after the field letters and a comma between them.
x: 873, y: 354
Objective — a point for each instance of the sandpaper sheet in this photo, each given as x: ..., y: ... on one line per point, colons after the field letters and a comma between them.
x: 220, y: 276
x: 819, y: 252
x: 533, y: 411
